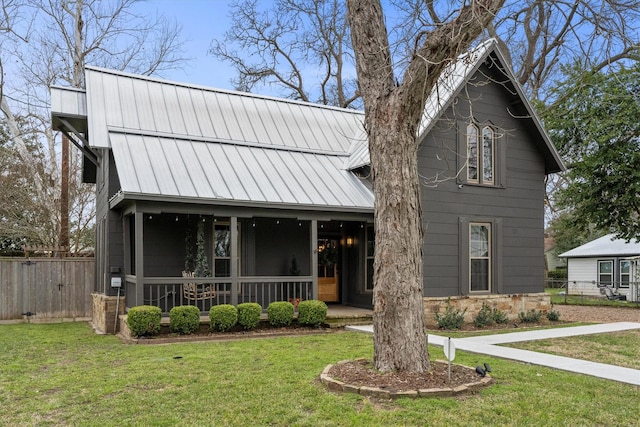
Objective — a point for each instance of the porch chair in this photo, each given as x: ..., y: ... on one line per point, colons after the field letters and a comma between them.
x: 192, y: 292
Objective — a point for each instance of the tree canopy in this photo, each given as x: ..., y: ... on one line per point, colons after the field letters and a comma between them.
x: 302, y: 48
x: 596, y: 129
x: 45, y: 43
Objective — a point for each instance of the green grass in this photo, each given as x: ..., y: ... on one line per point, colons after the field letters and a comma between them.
x: 63, y: 374
x: 617, y: 348
x: 585, y: 299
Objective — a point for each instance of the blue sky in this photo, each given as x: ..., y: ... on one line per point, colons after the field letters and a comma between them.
x: 202, y: 21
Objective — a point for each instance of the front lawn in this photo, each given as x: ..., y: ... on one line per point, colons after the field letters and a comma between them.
x: 616, y: 348
x: 63, y: 374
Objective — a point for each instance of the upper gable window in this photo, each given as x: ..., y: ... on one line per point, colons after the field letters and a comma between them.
x: 480, y: 155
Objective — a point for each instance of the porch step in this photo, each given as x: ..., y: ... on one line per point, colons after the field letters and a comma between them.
x: 339, y: 316
x: 341, y: 322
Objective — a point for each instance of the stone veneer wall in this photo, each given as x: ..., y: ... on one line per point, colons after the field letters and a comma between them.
x: 104, y: 312
x: 511, y: 305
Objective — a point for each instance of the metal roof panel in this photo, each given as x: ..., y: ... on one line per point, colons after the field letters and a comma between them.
x: 188, y: 169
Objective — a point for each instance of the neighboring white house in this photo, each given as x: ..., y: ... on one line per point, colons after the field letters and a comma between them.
x: 606, y: 261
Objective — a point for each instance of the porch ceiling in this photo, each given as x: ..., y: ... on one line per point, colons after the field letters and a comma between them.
x: 172, y: 169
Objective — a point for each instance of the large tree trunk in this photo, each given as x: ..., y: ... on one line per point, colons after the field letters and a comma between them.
x: 392, y: 115
x: 400, y: 341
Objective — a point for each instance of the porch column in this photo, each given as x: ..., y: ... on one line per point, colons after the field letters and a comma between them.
x: 314, y: 258
x: 139, y: 249
x: 126, y: 240
x: 234, y: 260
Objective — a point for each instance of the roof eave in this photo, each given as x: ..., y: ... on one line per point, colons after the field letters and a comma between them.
x: 120, y: 198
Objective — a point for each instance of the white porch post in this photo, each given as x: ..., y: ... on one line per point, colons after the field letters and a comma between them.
x: 314, y: 258
x: 139, y: 250
x: 234, y: 260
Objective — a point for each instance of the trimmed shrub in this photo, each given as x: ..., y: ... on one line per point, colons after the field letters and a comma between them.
x: 184, y: 319
x: 312, y: 312
x: 223, y: 317
x: 249, y: 315
x: 144, y: 320
x: 280, y: 313
x: 553, y: 316
x: 452, y: 318
x: 484, y: 316
x: 499, y: 316
x: 531, y: 316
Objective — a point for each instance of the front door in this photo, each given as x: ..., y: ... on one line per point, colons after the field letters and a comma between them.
x: 328, y: 276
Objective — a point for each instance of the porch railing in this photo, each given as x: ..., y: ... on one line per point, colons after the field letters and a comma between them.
x: 169, y: 292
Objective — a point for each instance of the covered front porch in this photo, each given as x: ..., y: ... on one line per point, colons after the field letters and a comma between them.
x: 187, y: 255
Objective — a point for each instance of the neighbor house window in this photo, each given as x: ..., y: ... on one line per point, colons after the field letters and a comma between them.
x: 625, y: 273
x: 480, y: 155
x: 605, y: 273
x: 370, y: 248
x: 479, y: 257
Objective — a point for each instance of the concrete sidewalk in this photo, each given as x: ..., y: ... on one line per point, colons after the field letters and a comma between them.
x: 487, y: 344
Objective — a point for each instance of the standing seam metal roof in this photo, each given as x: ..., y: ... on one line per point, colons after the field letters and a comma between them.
x: 172, y: 167
x: 172, y: 140
x: 143, y: 104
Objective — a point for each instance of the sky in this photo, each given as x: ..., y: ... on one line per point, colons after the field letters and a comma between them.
x: 201, y: 21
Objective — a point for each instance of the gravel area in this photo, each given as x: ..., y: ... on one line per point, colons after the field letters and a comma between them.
x: 583, y: 313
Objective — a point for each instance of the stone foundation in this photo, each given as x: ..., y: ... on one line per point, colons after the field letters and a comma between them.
x: 104, y: 312
x: 511, y: 305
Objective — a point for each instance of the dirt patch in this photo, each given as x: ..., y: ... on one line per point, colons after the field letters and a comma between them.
x: 598, y: 314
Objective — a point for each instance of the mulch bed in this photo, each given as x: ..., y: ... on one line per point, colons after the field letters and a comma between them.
x: 362, y: 373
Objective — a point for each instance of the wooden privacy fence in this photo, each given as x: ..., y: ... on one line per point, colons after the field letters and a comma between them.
x: 46, y: 288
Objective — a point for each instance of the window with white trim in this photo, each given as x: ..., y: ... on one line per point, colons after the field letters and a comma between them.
x: 625, y: 273
x: 605, y: 273
x: 479, y: 257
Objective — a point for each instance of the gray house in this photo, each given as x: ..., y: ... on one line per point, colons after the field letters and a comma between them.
x: 208, y: 196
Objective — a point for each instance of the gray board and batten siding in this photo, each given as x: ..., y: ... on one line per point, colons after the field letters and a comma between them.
x: 514, y: 206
